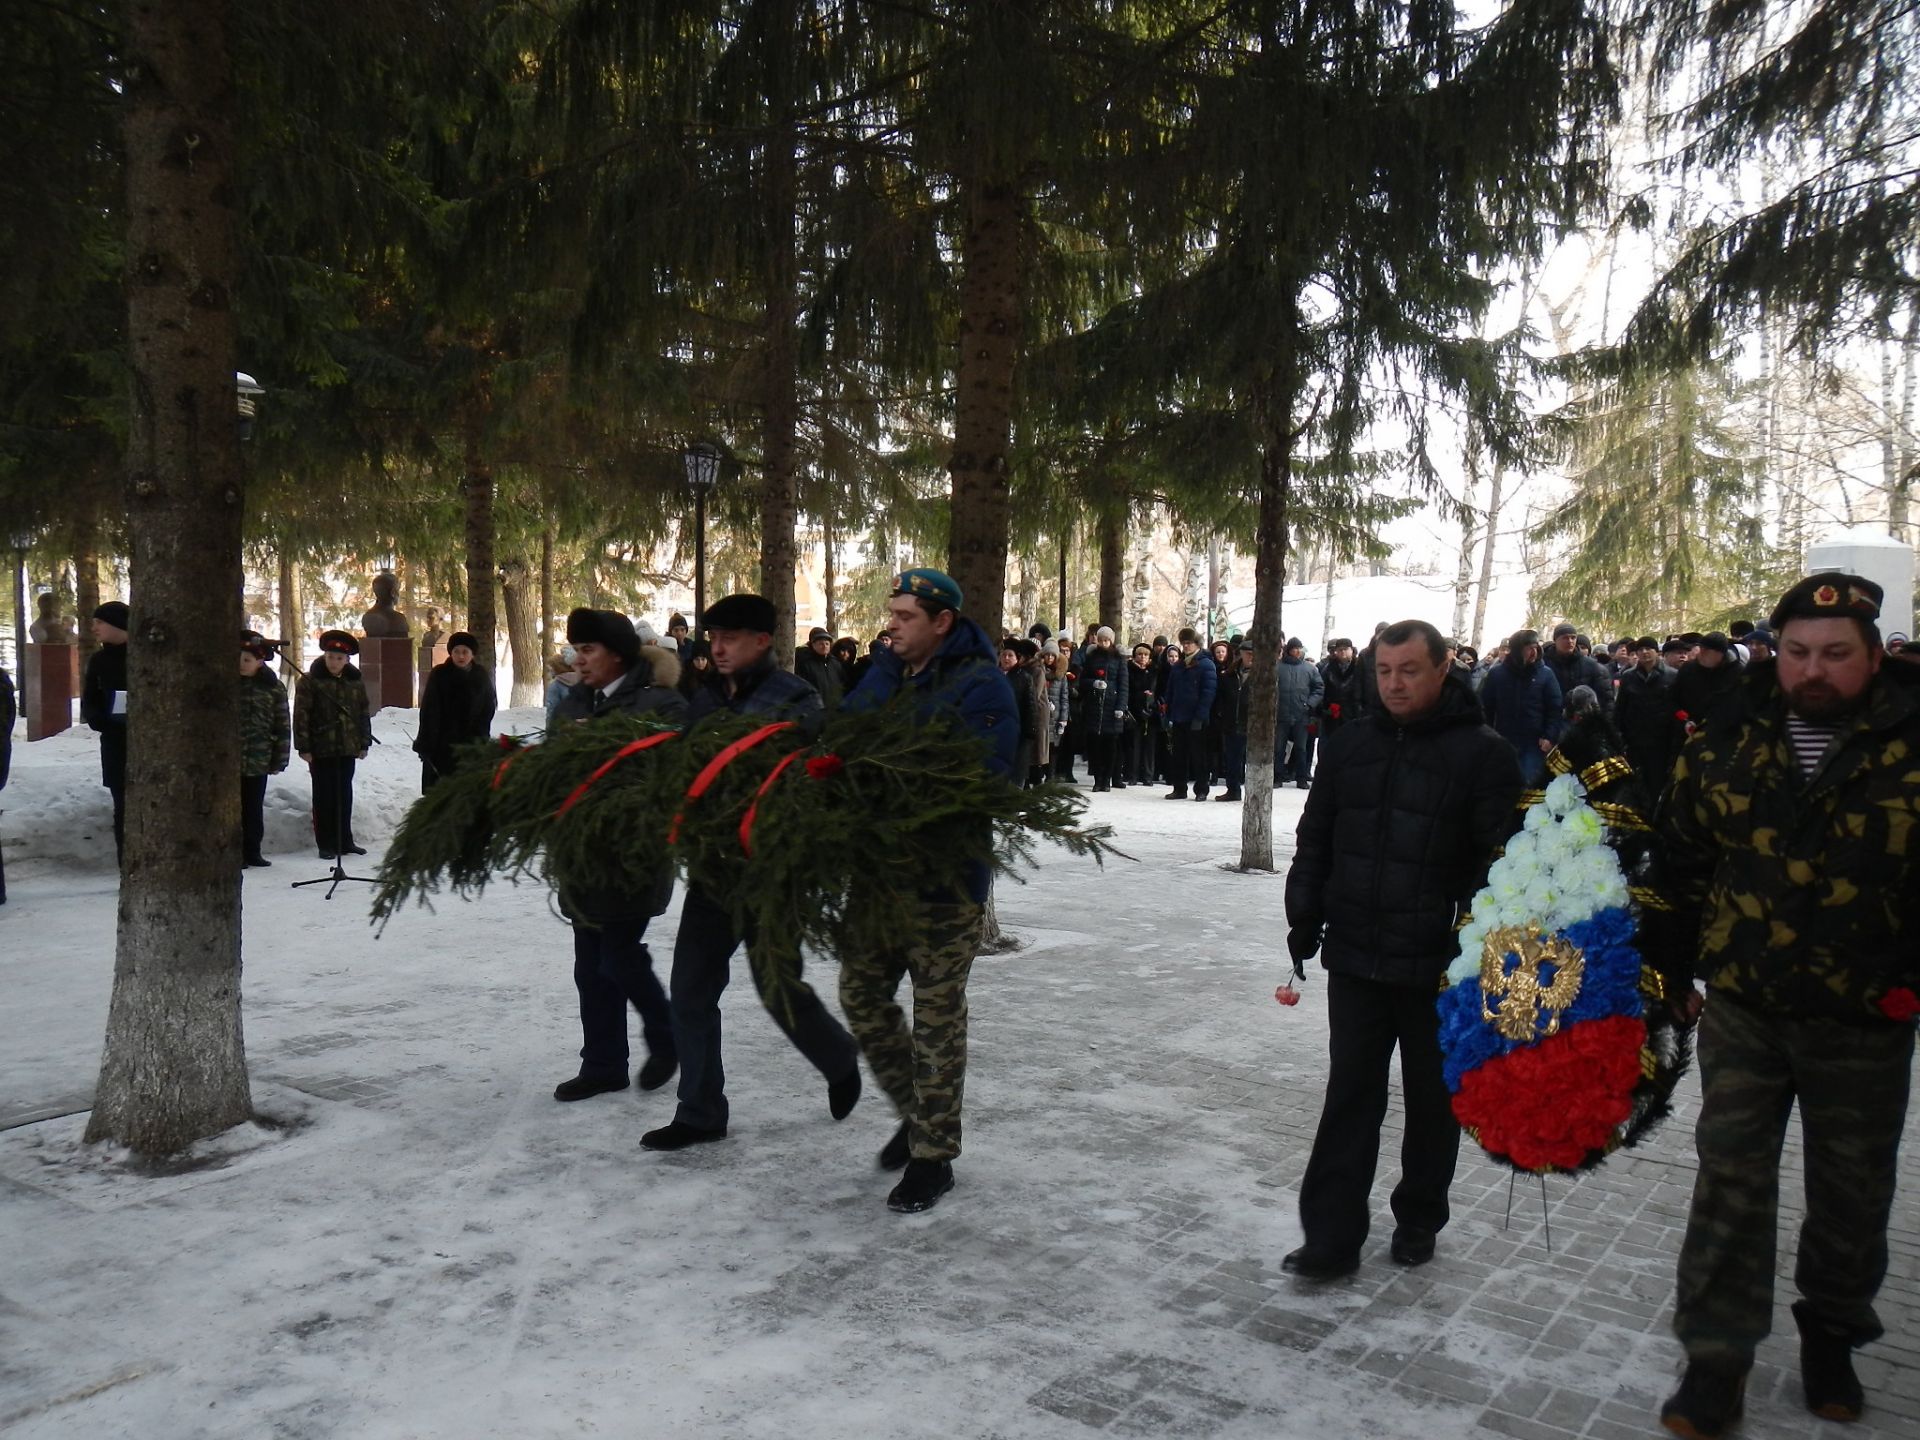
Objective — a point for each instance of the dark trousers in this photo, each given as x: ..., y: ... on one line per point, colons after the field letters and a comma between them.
x: 612, y: 968
x: 333, y: 802
x: 1189, y: 762
x: 1103, y: 754
x: 1365, y: 1021
x: 1292, y: 753
x: 119, y: 794
x: 253, y: 814
x: 1136, y: 751
x: 1064, y: 747
x: 1852, y: 1083
x: 702, y: 965
x: 1233, y: 761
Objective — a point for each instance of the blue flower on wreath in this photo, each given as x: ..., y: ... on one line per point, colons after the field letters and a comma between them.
x: 1611, y: 987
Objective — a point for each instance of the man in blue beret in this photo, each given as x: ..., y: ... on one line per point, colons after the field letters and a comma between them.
x: 949, y: 667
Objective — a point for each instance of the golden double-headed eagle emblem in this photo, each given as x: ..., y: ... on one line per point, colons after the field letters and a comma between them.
x: 1514, y: 1001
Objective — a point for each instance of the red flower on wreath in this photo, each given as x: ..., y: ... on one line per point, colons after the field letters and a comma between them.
x: 1551, y: 1104
x: 507, y: 742
x: 825, y: 767
x: 1900, y: 1004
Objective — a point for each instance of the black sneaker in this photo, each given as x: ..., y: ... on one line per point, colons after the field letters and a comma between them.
x: 921, y: 1187
x: 1310, y: 1262
x: 658, y: 1070
x: 843, y: 1094
x: 1826, y: 1367
x: 1710, y: 1398
x: 678, y: 1137
x: 894, y: 1154
x: 583, y: 1086
x: 1411, y: 1246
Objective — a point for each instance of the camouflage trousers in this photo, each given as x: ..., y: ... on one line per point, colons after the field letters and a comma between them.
x: 923, y: 1070
x: 1851, y: 1082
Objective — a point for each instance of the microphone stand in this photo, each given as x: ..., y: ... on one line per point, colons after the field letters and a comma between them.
x: 338, y: 876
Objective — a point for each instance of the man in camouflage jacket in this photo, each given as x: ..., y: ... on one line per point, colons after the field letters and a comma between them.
x: 1792, y: 831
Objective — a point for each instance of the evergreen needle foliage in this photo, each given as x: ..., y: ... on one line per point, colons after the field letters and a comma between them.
x: 882, y: 807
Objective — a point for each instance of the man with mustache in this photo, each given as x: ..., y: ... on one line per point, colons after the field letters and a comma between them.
x: 1792, y: 832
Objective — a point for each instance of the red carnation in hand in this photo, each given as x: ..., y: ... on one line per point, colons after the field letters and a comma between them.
x: 1333, y: 711
x: 825, y: 767
x: 1682, y: 716
x: 1287, y: 995
x: 1900, y: 1004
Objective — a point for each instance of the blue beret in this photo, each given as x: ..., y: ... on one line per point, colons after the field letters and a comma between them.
x: 934, y: 585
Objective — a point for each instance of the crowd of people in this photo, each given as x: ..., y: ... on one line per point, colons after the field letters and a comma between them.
x: 1778, y: 763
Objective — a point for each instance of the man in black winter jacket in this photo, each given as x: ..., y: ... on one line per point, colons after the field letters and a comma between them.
x: 745, y: 681
x: 1571, y: 667
x: 1396, y: 837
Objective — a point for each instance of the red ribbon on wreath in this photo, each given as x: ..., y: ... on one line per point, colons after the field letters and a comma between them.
x: 633, y: 747
x: 704, y: 780
x: 510, y: 744
x: 820, y: 767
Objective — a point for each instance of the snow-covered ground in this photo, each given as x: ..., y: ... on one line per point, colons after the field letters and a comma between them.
x: 442, y: 1250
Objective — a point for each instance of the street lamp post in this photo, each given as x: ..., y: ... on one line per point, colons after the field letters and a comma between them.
x: 703, y: 473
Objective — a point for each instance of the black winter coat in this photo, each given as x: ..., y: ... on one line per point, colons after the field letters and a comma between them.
x: 1400, y: 827
x: 106, y: 673
x: 1343, y: 688
x: 648, y: 691
x: 8, y: 714
x: 456, y: 708
x: 1644, y: 717
x: 1578, y: 669
x: 764, y: 690
x: 823, y: 674
x: 1096, y: 707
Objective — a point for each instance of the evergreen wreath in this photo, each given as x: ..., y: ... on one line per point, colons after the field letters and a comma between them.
x: 810, y: 842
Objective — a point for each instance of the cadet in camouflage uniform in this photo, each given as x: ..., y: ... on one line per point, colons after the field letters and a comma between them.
x: 948, y: 665
x: 1790, y: 828
x: 265, y: 740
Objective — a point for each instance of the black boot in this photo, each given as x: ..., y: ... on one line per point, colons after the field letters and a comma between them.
x: 1311, y: 1262
x: 1232, y: 792
x: 893, y: 1154
x: 1710, y: 1398
x: 580, y: 1087
x: 1826, y: 1367
x: 678, y: 1137
x: 843, y: 1094
x: 1179, y: 794
x: 1411, y: 1246
x: 658, y: 1070
x: 921, y: 1187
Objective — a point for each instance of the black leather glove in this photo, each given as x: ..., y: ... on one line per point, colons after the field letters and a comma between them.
x: 1302, y: 944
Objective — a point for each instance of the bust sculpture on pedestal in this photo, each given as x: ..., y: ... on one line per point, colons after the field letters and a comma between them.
x: 383, y: 619
x: 51, y: 628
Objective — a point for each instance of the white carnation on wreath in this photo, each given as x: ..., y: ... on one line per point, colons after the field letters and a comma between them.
x: 1563, y: 793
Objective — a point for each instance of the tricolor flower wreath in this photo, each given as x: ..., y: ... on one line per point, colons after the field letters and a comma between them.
x: 1554, y: 1055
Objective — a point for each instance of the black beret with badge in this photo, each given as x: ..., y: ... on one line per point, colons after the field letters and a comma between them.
x: 1830, y: 595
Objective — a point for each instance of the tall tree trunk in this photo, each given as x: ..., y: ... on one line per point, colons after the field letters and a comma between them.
x: 982, y: 503
x: 1028, y: 599
x: 1142, y: 589
x: 1463, y: 574
x: 1269, y: 589
x: 778, y: 512
x: 174, y: 1069
x: 293, y: 624
x: 1113, y: 569
x: 1494, y: 487
x: 1326, y: 602
x: 483, y: 616
x: 516, y: 593
x: 546, y: 592
x: 829, y: 573
x: 86, y: 575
